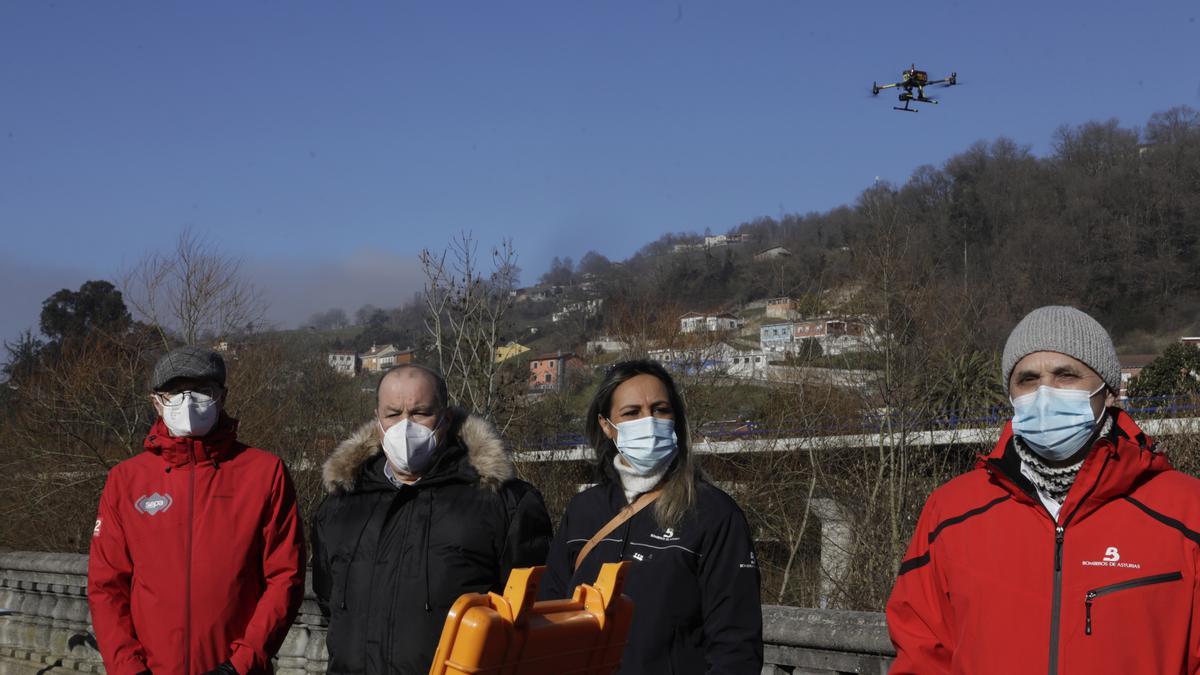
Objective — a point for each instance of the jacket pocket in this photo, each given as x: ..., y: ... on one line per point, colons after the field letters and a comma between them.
x: 1092, y: 595
x: 339, y: 577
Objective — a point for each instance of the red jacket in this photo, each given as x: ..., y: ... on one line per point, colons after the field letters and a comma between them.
x: 992, y: 584
x: 197, y: 557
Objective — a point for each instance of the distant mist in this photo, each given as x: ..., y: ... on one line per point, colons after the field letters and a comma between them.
x: 295, y: 291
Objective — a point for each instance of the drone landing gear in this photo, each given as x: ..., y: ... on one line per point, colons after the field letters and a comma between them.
x: 907, y: 98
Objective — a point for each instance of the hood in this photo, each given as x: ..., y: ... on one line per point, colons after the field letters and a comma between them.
x: 486, y: 453
x: 218, y: 445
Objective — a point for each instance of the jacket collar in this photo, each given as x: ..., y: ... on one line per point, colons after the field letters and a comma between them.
x: 474, y: 450
x: 217, y: 445
x: 1117, y: 463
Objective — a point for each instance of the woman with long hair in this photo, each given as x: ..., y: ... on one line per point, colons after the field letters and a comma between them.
x: 694, y: 581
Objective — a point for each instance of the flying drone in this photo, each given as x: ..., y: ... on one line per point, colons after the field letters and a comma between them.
x: 914, y: 79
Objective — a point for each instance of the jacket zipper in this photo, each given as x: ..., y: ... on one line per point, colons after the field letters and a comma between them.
x: 1059, y: 533
x: 1091, y: 595
x: 1056, y: 603
x: 187, y: 581
x: 405, y: 560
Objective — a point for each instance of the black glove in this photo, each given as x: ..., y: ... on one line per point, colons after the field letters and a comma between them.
x: 223, y: 669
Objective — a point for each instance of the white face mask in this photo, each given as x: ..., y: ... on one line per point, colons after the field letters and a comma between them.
x: 190, y: 413
x: 647, y: 443
x: 409, y: 446
x: 1055, y: 423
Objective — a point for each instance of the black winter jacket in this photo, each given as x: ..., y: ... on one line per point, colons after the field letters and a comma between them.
x: 694, y: 587
x: 389, y: 562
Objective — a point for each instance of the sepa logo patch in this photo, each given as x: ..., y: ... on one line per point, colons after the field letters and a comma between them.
x: 153, y: 504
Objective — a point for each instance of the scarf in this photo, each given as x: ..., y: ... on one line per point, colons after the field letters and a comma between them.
x: 1054, y: 482
x: 635, y: 484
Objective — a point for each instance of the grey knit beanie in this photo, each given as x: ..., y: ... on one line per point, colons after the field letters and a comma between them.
x: 193, y: 362
x: 1065, y: 330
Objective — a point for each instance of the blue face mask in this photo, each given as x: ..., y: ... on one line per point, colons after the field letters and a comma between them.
x: 647, y: 443
x: 1054, y: 423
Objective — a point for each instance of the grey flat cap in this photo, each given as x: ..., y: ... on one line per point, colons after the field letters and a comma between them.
x: 192, y: 362
x: 1066, y: 330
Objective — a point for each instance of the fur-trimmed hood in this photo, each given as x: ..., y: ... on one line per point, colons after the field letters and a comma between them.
x: 486, y: 453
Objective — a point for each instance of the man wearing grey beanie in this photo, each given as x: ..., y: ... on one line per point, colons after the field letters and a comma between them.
x: 1074, y: 546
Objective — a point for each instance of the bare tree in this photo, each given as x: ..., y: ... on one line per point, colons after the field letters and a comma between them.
x: 466, y: 305
x: 195, y: 292
x: 67, y: 421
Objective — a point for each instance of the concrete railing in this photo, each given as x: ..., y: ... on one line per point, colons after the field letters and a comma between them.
x: 49, y: 629
x: 45, y: 627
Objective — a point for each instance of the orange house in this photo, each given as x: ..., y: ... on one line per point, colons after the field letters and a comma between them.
x: 547, y: 372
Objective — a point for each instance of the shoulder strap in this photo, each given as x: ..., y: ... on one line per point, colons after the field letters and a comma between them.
x: 623, y: 515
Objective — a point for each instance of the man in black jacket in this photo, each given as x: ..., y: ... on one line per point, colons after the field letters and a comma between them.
x: 422, y: 506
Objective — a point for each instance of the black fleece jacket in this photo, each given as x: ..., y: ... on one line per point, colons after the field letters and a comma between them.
x: 695, y: 587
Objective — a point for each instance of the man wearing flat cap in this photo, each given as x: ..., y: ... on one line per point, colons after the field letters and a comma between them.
x: 1073, y: 547
x: 197, y: 556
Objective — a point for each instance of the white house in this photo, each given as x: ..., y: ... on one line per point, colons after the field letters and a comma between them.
x: 724, y: 239
x: 695, y: 322
x: 719, y: 358
x: 605, y: 344
x: 777, y: 338
x: 344, y: 362
x: 585, y: 307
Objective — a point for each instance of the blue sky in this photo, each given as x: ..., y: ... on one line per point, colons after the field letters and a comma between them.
x: 327, y: 142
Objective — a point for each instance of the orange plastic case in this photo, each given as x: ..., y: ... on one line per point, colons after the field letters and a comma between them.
x: 513, y: 635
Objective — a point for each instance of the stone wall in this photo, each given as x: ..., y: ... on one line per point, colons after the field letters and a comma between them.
x: 46, y: 628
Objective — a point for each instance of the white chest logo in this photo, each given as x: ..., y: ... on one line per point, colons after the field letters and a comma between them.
x: 668, y: 534
x: 1112, y: 558
x: 152, y: 504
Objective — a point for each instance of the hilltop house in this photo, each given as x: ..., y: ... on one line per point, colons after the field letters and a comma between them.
x: 781, y: 308
x: 548, y: 372
x: 836, y: 336
x: 695, y: 322
x: 344, y: 362
x: 604, y: 344
x: 773, y: 253
x: 719, y: 358
x: 508, y: 351
x: 379, y: 359
x: 585, y: 307
x: 1131, y: 367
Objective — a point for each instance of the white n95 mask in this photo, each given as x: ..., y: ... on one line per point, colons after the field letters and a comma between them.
x: 409, y: 446
x: 190, y: 413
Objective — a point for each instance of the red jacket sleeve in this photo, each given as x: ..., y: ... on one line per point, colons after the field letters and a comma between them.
x: 110, y: 573
x: 283, y: 570
x: 1194, y: 656
x: 918, y: 610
